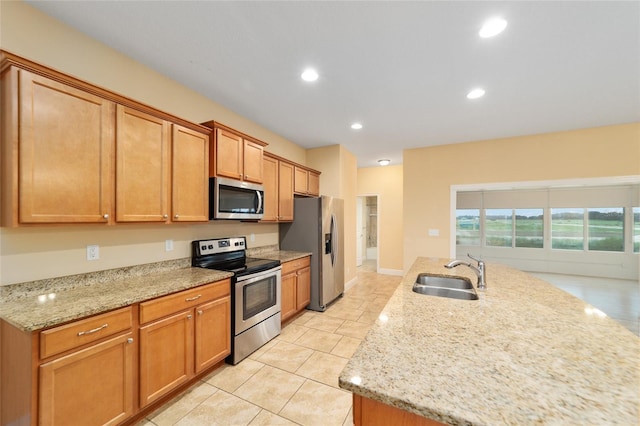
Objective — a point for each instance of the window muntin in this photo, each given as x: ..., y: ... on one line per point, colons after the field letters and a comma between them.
x: 567, y: 229
x: 529, y: 229
x: 468, y: 227
x: 606, y: 229
x: 499, y: 227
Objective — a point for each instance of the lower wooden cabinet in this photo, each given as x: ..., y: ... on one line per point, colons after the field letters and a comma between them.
x: 93, y: 386
x: 367, y: 412
x: 213, y: 333
x: 296, y: 287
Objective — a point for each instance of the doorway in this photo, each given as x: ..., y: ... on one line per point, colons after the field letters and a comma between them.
x: 367, y: 233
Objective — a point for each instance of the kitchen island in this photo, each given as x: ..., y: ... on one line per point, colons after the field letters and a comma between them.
x: 525, y: 353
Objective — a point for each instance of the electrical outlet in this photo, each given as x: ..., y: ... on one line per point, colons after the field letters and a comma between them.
x: 252, y: 237
x: 168, y: 245
x: 93, y: 252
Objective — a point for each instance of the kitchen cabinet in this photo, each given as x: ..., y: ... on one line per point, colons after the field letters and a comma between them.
x: 237, y: 156
x: 296, y: 286
x: 307, y: 182
x: 367, y: 412
x: 77, y: 359
x: 70, y: 149
x: 57, y: 145
x: 278, y: 189
x: 181, y: 335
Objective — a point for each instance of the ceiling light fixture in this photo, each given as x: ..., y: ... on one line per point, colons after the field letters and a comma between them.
x: 384, y: 162
x: 356, y: 126
x: 492, y: 27
x: 309, y: 75
x: 475, y: 94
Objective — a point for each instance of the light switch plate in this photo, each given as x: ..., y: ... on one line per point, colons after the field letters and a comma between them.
x: 434, y: 232
x: 93, y: 252
x: 168, y: 245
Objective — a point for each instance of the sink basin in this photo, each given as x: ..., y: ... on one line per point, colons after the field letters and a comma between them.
x: 446, y: 282
x: 451, y: 287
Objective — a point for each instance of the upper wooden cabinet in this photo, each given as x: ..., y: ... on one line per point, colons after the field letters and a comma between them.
x: 70, y: 149
x: 237, y: 156
x: 278, y: 190
x: 307, y: 181
x: 57, y: 152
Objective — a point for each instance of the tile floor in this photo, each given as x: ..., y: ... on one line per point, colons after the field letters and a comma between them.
x: 294, y: 378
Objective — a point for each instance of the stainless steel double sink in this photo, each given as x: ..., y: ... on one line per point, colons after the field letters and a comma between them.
x: 451, y: 287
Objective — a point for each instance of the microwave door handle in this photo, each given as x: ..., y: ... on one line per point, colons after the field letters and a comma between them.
x: 259, y: 202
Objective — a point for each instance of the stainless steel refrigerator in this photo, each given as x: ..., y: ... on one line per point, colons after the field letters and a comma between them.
x: 318, y: 227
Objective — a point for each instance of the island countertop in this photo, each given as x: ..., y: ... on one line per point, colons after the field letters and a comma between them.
x: 525, y: 353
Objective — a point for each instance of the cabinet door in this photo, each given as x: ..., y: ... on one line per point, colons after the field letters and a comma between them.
x: 303, y: 288
x: 301, y: 185
x: 288, y: 305
x: 285, y: 191
x: 166, y: 355
x: 190, y: 182
x: 253, y: 163
x: 213, y: 333
x: 229, y: 154
x: 142, y: 167
x: 64, y: 154
x: 270, y: 190
x: 93, y: 386
x: 314, y: 184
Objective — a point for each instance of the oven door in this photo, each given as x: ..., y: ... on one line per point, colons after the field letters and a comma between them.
x: 257, y: 297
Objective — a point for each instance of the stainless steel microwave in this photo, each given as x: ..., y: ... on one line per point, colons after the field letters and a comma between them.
x: 233, y: 199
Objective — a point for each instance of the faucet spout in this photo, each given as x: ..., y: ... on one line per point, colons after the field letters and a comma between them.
x: 480, y: 270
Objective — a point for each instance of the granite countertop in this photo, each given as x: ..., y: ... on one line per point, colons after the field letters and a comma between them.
x: 283, y: 255
x: 526, y: 352
x: 40, y: 304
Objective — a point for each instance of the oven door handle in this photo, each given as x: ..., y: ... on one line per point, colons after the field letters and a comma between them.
x: 258, y: 275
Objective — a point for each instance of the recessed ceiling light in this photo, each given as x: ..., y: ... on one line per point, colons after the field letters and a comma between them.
x: 309, y: 75
x: 475, y: 94
x: 492, y: 27
x: 384, y: 162
x: 356, y: 126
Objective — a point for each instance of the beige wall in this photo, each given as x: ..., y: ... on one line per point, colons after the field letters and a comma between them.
x: 430, y: 172
x: 41, y: 252
x: 339, y: 179
x: 386, y: 183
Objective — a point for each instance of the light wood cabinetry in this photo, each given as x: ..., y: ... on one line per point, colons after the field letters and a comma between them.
x: 237, y: 156
x: 307, y: 182
x: 278, y: 190
x: 75, y: 153
x: 296, y: 286
x: 367, y: 412
x: 57, y: 145
x: 182, y: 334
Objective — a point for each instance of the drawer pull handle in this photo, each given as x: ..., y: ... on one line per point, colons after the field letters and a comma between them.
x: 191, y: 299
x: 82, y: 333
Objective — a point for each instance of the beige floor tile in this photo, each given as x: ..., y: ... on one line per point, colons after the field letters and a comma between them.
x: 318, y: 404
x: 285, y: 356
x: 324, y: 323
x: 182, y: 405
x: 305, y: 316
x: 270, y: 388
x: 231, y: 377
x: 291, y: 332
x: 221, y: 408
x: 349, y: 420
x: 264, y: 348
x: 323, y: 367
x: 368, y: 317
x: 354, y: 329
x: 318, y: 340
x: 266, y: 418
x: 344, y: 313
x: 346, y: 347
x: 145, y: 422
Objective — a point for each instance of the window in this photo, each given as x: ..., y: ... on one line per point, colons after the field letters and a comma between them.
x: 567, y: 229
x: 636, y: 229
x: 499, y: 227
x: 468, y: 227
x: 606, y: 229
x: 529, y: 228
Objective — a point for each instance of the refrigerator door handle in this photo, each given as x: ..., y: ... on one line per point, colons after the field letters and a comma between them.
x: 334, y: 239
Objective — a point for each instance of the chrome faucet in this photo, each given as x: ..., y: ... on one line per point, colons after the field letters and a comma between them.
x: 480, y: 270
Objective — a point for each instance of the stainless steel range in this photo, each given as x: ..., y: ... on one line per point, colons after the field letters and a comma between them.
x: 255, y: 292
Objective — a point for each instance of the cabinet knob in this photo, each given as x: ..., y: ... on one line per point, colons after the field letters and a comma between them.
x: 130, y: 340
x: 200, y: 312
x: 105, y: 216
x: 165, y: 216
x: 189, y: 316
x: 176, y: 216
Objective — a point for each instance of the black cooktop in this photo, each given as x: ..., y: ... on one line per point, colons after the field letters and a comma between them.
x: 228, y: 254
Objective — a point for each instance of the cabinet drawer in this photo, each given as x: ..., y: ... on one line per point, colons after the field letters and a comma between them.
x: 75, y: 334
x: 176, y: 302
x: 294, y: 265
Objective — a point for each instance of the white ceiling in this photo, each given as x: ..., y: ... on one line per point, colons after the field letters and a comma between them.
x: 402, y: 69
